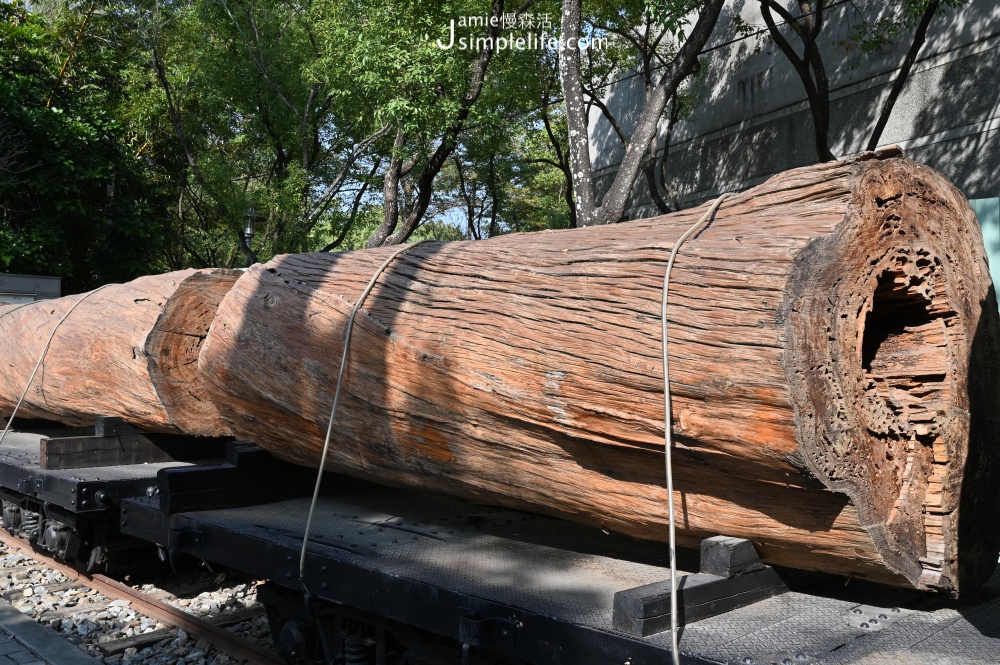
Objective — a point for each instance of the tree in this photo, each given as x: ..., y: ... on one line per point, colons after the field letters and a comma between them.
x: 510, y: 170
x: 537, y: 189
x: 553, y: 121
x: 75, y: 202
x: 895, y: 19
x: 236, y: 114
x: 809, y: 66
x: 873, y: 36
x: 643, y: 40
x: 658, y: 92
x: 428, y: 96
x: 316, y: 113
x: 504, y: 179
x: 343, y: 122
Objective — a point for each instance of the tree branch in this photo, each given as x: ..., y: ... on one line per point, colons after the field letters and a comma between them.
x: 390, y: 193
x: 425, y: 182
x: 817, y: 91
x: 596, y: 101
x: 72, y: 50
x: 255, y: 57
x: 682, y: 65
x: 563, y: 165
x: 175, y: 116
x: 354, y: 209
x: 766, y: 6
x: 338, y: 180
x: 544, y: 160
x: 904, y: 72
x: 470, y: 207
x: 648, y: 167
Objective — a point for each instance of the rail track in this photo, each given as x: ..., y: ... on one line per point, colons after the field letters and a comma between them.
x: 118, y: 623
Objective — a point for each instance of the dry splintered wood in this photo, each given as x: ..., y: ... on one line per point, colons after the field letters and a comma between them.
x: 129, y: 350
x: 834, y: 363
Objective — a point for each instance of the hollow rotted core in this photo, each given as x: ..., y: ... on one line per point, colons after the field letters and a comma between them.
x: 905, y: 358
x: 892, y: 370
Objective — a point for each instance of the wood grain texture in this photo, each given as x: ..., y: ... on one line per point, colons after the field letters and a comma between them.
x: 129, y: 350
x: 833, y: 341
x: 173, y: 347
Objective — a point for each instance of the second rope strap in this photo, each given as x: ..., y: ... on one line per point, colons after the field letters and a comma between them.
x: 667, y: 436
x: 336, y: 399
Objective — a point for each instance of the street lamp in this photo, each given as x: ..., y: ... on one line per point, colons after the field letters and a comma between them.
x: 250, y: 219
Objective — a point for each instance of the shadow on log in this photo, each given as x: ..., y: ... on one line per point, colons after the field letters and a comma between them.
x: 834, y: 350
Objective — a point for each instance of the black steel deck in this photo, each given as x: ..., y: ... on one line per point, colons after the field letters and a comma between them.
x: 74, y: 490
x: 540, y: 590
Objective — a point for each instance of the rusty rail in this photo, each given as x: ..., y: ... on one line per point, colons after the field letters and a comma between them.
x: 165, y: 613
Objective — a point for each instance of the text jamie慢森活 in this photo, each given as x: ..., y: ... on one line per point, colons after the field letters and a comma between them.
x: 532, y: 35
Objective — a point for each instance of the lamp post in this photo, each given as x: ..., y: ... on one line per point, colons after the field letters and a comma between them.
x: 250, y: 218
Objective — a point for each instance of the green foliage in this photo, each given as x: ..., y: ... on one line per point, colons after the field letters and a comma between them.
x: 235, y: 120
x: 506, y: 185
x: 366, y: 221
x: 438, y: 230
x: 74, y: 200
x: 536, y: 200
x: 893, y: 20
x: 390, y: 57
x: 172, y: 119
x: 672, y: 15
x: 385, y: 57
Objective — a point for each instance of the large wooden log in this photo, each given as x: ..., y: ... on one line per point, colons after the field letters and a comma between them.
x: 129, y: 350
x: 834, y: 354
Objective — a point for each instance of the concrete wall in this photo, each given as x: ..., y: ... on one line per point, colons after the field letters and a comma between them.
x: 27, y: 288
x: 752, y: 120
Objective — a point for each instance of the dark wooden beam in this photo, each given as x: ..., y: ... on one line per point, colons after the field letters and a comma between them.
x: 77, y: 452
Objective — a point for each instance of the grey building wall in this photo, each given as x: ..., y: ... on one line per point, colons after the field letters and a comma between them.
x: 753, y: 122
x: 27, y: 288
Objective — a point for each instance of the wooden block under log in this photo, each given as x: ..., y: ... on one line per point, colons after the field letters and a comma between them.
x: 108, y: 426
x: 723, y: 556
x: 645, y: 611
x: 79, y: 452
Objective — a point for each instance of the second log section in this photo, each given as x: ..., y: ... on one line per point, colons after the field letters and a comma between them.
x: 834, y: 354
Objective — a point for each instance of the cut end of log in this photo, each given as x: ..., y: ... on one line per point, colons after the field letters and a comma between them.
x: 886, y: 370
x: 174, y: 345
x: 130, y: 351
